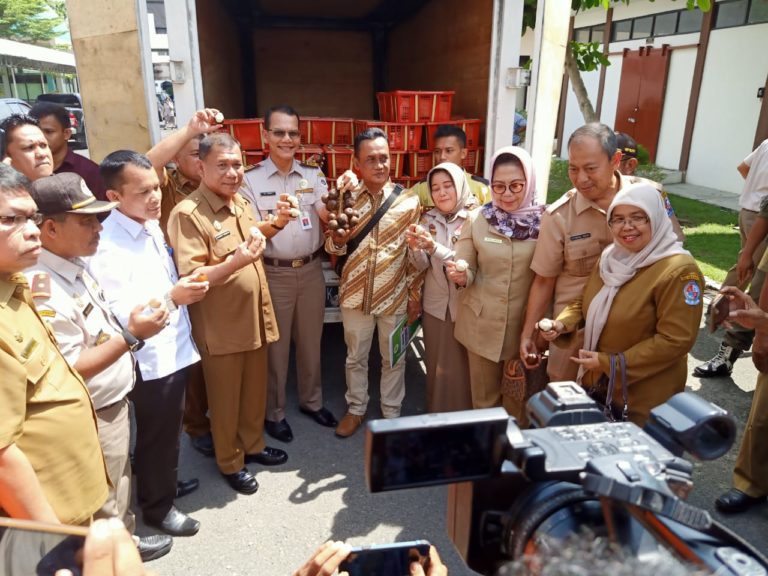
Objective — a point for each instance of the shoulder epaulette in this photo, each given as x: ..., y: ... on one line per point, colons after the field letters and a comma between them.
x: 480, y: 179
x: 311, y: 163
x: 41, y: 285
x: 564, y: 199
x: 640, y: 180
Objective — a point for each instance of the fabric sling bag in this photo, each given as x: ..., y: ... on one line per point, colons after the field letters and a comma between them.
x: 353, y: 244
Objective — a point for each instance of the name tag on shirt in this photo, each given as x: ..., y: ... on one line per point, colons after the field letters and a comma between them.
x: 581, y: 236
x: 493, y: 240
x: 270, y: 193
x: 221, y: 235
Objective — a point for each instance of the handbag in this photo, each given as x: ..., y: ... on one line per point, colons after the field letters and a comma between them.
x: 355, y: 242
x: 519, y: 383
x: 602, y: 391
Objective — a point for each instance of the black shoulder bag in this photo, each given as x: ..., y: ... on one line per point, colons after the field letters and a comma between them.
x: 355, y: 242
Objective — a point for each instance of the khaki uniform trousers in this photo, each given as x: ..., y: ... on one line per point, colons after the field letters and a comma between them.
x: 237, y: 399
x: 298, y: 298
x: 485, y: 380
x: 751, y: 472
x: 448, y: 386
x: 196, y: 421
x: 739, y: 337
x: 358, y: 335
x: 115, y: 436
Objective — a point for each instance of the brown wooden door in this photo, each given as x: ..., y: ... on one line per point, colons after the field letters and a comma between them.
x: 641, y: 95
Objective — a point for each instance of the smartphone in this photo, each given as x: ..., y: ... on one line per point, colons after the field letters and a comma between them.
x: 433, y: 449
x: 386, y: 559
x: 28, y: 547
x: 719, y: 308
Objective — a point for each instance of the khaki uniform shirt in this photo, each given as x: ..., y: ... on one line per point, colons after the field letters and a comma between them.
x: 46, y: 411
x: 75, y: 308
x: 263, y: 185
x: 378, y: 274
x: 654, y: 320
x: 234, y: 316
x: 574, y: 231
x: 492, y: 306
x: 175, y: 187
x: 478, y: 186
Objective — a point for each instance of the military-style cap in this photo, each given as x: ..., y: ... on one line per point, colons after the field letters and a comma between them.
x: 626, y: 145
x: 67, y: 192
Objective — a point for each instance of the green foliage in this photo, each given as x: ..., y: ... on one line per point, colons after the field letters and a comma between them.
x: 643, y: 156
x: 588, y: 55
x: 31, y: 20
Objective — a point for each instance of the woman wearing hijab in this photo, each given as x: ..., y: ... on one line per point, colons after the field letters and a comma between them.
x: 492, y: 263
x: 432, y: 245
x: 643, y: 301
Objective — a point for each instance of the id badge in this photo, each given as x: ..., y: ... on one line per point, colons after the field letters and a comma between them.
x: 305, y: 221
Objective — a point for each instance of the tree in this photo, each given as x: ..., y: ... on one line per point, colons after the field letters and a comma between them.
x: 586, y: 57
x: 31, y: 20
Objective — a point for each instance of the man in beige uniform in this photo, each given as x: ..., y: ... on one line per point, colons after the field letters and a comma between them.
x: 51, y: 466
x: 89, y: 336
x: 574, y: 231
x: 214, y: 233
x: 292, y: 260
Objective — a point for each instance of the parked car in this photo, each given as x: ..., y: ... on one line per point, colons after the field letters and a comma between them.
x: 74, y: 104
x: 10, y: 106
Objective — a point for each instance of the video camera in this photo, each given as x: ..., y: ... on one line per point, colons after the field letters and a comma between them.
x: 510, y: 488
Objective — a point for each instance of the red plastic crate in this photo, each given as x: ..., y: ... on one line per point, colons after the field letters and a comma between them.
x: 251, y: 157
x: 401, y: 136
x: 311, y: 155
x: 470, y: 126
x: 415, y: 106
x: 335, y: 131
x: 419, y: 163
x: 247, y: 132
x: 397, y: 162
x: 338, y: 159
x: 474, y: 161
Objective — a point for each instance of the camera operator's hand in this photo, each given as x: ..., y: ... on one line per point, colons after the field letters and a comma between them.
x: 587, y: 358
x: 550, y: 329
x: 109, y: 551
x: 325, y: 560
x: 436, y: 566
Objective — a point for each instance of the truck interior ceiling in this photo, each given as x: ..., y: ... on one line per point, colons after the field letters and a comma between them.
x: 330, y: 58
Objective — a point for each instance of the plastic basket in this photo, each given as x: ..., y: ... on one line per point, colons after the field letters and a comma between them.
x: 474, y: 161
x: 401, y: 136
x: 338, y: 159
x: 251, y: 157
x: 415, y: 106
x: 419, y: 163
x: 323, y: 131
x: 312, y: 155
x: 471, y: 128
x: 247, y: 132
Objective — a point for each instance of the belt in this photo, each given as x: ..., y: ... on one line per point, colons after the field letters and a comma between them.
x: 295, y: 263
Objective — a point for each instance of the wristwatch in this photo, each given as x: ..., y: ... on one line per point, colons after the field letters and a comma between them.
x: 134, y: 344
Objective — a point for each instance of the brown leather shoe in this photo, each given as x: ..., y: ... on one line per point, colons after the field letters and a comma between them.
x: 348, y: 425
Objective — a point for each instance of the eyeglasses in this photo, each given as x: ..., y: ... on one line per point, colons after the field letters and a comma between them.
x: 21, y: 219
x: 294, y: 134
x: 514, y: 187
x: 633, y: 221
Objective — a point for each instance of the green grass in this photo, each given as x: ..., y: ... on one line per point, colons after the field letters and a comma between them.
x: 711, y: 233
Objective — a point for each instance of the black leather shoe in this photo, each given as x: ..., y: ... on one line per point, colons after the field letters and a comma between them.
x: 735, y: 501
x: 242, y: 481
x: 322, y: 417
x: 154, y: 547
x: 203, y: 444
x: 176, y: 523
x: 268, y: 457
x: 279, y: 430
x: 184, y: 487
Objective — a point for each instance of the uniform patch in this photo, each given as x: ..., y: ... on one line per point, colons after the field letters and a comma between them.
x: 46, y: 313
x: 692, y: 293
x: 690, y: 276
x: 581, y: 236
x: 102, y: 337
x: 41, y: 286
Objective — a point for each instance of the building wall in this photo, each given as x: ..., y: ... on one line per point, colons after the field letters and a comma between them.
x: 673, y: 117
x: 319, y: 72
x: 445, y: 46
x: 611, y: 90
x: 728, y: 110
x: 220, y: 61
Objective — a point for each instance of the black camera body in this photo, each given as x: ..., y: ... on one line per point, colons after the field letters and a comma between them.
x: 510, y: 486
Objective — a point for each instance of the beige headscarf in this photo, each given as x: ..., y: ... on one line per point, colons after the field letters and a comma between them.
x: 459, y: 182
x: 618, y: 265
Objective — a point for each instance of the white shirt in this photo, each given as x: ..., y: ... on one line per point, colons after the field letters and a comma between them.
x: 75, y: 308
x: 756, y: 184
x: 133, y: 265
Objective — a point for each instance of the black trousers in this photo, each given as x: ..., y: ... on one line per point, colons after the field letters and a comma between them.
x: 158, y: 409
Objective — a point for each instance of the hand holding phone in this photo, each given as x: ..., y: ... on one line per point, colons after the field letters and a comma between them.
x: 386, y: 559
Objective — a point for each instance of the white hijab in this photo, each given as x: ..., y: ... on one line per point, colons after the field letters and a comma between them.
x: 618, y: 265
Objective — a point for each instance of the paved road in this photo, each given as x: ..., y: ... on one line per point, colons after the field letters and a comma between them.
x: 320, y: 493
